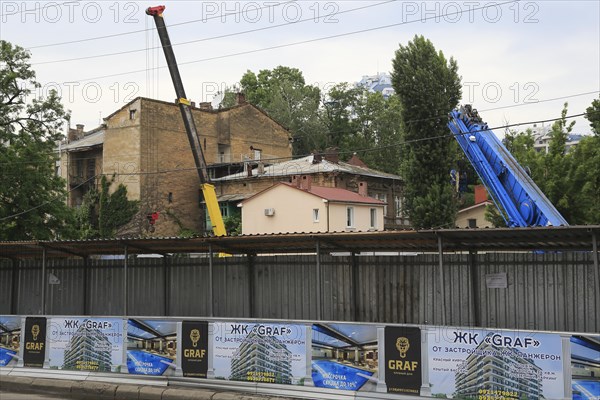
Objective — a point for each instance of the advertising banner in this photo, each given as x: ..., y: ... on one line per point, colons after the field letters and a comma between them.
x: 266, y: 353
x: 194, y: 348
x: 10, y: 340
x: 585, y: 367
x: 35, y: 342
x: 500, y: 365
x: 86, y: 344
x: 403, y: 359
x: 345, y: 356
x: 151, y: 347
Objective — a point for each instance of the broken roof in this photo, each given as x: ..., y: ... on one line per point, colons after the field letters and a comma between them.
x: 96, y: 138
x: 307, y: 166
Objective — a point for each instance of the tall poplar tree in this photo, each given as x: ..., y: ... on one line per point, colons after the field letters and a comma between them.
x: 429, y: 87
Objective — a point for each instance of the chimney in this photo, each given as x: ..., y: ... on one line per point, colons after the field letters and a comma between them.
x: 306, y: 182
x: 72, y: 135
x: 317, y: 158
x: 480, y: 194
x: 331, y: 155
x: 75, y: 134
x: 362, y: 188
x: 296, y: 181
x: 357, y: 161
x: 206, y: 105
x: 240, y: 98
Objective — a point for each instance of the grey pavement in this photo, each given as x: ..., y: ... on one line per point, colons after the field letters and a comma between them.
x: 27, y: 396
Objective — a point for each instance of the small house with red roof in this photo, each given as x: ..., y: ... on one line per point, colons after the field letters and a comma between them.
x: 300, y: 206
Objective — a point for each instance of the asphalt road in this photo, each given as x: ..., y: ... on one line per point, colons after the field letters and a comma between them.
x: 26, y: 396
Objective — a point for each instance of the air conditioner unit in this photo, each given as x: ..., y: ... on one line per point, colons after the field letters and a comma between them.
x: 269, y: 212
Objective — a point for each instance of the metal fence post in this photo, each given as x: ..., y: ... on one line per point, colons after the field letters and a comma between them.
x: 211, y: 295
x: 596, y: 274
x: 442, y: 288
x: 125, y: 281
x: 86, y: 305
x: 14, y: 298
x: 319, y: 284
x: 475, y: 287
x: 44, y: 281
x: 251, y: 285
x: 167, y: 284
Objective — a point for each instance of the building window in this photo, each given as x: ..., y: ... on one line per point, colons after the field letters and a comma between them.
x: 315, y: 215
x: 472, y: 223
x: 383, y: 197
x: 398, y: 205
x: 349, y: 217
x: 373, y: 215
x: 132, y: 114
x: 91, y: 172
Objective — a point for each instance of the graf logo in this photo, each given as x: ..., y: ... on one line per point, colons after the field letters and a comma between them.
x: 35, y: 331
x: 402, y: 345
x: 272, y: 330
x: 195, y: 336
x: 507, y: 341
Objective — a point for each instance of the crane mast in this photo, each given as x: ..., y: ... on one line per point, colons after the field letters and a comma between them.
x: 508, y: 183
x: 208, y: 190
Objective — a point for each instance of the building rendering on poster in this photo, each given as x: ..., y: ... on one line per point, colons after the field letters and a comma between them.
x: 10, y: 340
x: 194, y: 348
x: 34, y: 352
x: 473, y: 364
x: 403, y: 359
x: 151, y: 347
x: 86, y: 344
x: 585, y: 367
x: 345, y: 356
x: 267, y: 353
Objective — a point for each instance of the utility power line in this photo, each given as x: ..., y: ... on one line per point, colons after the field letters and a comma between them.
x: 208, y: 38
x: 354, y: 151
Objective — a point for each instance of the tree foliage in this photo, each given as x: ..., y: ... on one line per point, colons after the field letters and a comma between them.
x: 32, y: 196
x: 569, y: 179
x: 429, y: 87
x: 102, y: 213
x: 363, y: 122
x: 285, y: 96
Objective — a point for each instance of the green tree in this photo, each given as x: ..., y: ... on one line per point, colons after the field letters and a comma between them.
x: 593, y: 115
x: 584, y: 173
x: 102, y: 213
x: 285, y: 96
x: 32, y: 196
x: 429, y: 87
x: 339, y: 106
x: 364, y: 122
x: 379, y: 131
x: 557, y: 163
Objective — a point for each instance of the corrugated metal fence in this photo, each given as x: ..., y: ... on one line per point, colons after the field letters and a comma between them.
x: 550, y: 291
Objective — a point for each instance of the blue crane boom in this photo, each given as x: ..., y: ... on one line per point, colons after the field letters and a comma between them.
x: 507, y: 182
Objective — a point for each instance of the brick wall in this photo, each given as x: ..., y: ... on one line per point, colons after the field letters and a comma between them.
x: 155, y: 147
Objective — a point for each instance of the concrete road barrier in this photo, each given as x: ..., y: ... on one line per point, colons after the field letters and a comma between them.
x: 87, y: 389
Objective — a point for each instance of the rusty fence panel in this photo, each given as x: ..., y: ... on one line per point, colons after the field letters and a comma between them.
x: 546, y: 291
x: 6, y: 286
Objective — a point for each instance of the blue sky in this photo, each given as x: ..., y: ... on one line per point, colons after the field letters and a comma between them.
x: 512, y: 56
